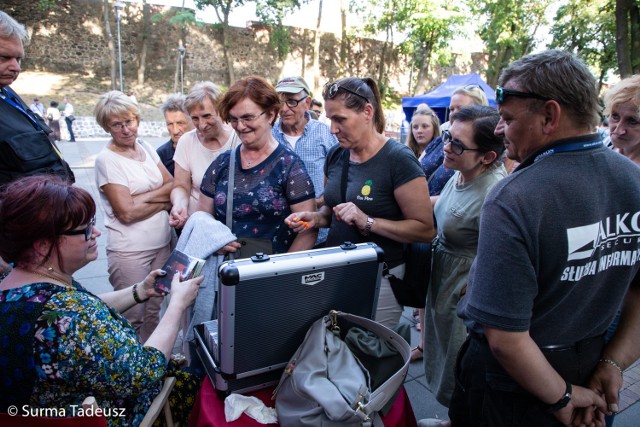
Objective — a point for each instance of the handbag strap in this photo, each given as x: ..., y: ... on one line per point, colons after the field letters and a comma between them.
x: 232, y: 174
x: 381, y: 395
x: 230, y: 185
x: 345, y: 175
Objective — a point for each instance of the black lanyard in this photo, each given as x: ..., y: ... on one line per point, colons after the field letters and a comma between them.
x: 11, y: 100
x: 576, y: 146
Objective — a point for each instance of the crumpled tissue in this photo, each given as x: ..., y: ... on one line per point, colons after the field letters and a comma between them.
x: 237, y: 404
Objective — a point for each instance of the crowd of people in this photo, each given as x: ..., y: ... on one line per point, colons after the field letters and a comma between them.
x: 531, y: 314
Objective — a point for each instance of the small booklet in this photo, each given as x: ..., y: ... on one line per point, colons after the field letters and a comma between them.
x: 187, y: 265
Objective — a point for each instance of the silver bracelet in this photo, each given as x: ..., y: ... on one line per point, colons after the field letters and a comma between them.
x: 613, y: 363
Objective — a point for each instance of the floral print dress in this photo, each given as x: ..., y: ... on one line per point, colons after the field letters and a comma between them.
x: 61, y: 345
x: 262, y: 194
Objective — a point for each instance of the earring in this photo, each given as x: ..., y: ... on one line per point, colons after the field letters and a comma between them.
x: 50, y: 269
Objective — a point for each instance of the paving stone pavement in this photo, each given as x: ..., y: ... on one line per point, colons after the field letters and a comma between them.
x: 81, y: 156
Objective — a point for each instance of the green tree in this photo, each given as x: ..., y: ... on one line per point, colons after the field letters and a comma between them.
x: 223, y: 9
x: 509, y: 29
x: 430, y: 24
x: 384, y: 17
x: 182, y: 19
x: 587, y: 28
x: 628, y: 36
x: 272, y: 13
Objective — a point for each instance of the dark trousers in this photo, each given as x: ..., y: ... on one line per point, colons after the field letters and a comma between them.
x: 485, y: 395
x: 72, y: 137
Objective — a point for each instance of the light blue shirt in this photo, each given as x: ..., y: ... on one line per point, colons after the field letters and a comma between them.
x: 312, y: 148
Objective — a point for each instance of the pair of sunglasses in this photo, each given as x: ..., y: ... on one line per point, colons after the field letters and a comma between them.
x: 331, y: 90
x: 502, y: 93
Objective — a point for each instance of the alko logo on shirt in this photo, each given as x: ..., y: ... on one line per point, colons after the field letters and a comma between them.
x: 584, y: 240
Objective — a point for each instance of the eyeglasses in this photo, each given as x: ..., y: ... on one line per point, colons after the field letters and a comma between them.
x: 244, y: 119
x: 119, y: 126
x: 293, y: 103
x: 502, y: 93
x: 331, y: 90
x: 457, y: 147
x: 471, y: 87
x: 87, y: 231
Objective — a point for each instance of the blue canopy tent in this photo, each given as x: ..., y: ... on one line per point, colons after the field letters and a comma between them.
x: 438, y: 99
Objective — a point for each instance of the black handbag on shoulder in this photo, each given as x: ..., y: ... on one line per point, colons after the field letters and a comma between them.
x: 411, y: 291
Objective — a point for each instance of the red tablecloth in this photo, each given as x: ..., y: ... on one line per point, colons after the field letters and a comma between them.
x: 208, y: 410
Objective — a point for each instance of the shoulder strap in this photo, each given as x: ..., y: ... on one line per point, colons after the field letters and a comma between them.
x: 232, y: 173
x: 386, y: 390
x: 345, y: 175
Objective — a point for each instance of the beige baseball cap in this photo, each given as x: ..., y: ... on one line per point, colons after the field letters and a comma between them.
x: 292, y: 85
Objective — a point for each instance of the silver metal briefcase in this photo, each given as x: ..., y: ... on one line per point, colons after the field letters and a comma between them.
x: 267, y: 304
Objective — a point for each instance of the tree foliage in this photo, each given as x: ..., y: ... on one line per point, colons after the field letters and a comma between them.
x: 272, y: 13
x: 223, y: 9
x: 628, y: 36
x: 508, y: 30
x: 430, y: 24
x: 587, y: 28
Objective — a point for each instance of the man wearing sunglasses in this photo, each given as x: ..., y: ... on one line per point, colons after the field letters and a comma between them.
x: 310, y: 139
x: 556, y: 258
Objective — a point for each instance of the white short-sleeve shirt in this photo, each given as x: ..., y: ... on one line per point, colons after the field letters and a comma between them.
x: 195, y: 158
x: 139, y: 177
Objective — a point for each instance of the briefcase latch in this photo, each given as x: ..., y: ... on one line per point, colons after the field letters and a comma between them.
x: 260, y: 257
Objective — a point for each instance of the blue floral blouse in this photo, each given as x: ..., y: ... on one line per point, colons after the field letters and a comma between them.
x: 59, y: 346
x: 262, y: 195
x: 437, y: 174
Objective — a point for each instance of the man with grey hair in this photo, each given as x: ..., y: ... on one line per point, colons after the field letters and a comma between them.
x: 178, y: 123
x: 557, y: 257
x: 309, y: 139
x: 25, y: 146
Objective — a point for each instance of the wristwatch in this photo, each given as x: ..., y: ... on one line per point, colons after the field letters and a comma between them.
x: 564, y: 400
x: 367, y: 228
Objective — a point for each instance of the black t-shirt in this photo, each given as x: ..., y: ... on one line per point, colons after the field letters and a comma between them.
x: 370, y: 186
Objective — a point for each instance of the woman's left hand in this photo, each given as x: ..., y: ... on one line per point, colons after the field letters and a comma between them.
x: 147, y: 288
x: 350, y: 214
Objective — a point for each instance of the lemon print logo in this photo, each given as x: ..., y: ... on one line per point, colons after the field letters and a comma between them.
x: 366, y: 188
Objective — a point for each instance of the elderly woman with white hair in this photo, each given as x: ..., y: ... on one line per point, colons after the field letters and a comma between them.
x: 134, y: 188
x: 197, y: 149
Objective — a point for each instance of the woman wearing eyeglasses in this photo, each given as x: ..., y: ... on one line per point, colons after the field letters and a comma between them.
x: 61, y: 343
x: 375, y: 188
x: 425, y: 140
x: 270, y: 180
x: 197, y: 148
x: 134, y: 189
x: 473, y: 150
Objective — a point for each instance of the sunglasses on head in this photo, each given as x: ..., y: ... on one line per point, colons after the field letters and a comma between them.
x: 331, y: 90
x: 87, y: 231
x: 457, y: 147
x: 472, y: 87
x: 502, y: 93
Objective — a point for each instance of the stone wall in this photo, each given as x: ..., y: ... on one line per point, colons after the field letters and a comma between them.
x: 71, y: 38
x: 86, y: 126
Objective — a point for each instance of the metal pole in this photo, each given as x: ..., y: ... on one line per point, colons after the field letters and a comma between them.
x: 181, y: 52
x: 117, y: 6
